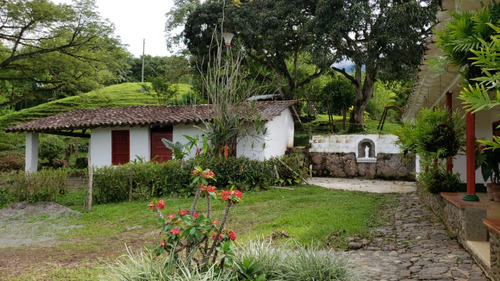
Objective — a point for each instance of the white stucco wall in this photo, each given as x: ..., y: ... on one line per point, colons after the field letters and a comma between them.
x: 100, y: 147
x: 279, y: 137
x: 180, y: 130
x: 484, y: 120
x: 349, y: 143
x: 100, y: 144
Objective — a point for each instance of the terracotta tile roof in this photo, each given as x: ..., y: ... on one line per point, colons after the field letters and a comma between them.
x: 138, y: 116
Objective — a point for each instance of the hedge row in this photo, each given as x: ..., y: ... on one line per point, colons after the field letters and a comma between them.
x: 145, y: 180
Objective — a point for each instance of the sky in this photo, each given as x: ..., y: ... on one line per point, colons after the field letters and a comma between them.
x: 137, y: 20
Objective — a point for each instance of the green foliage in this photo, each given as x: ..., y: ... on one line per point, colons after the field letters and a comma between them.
x: 465, y: 32
x: 6, y: 197
x: 126, y: 94
x: 11, y: 161
x: 44, y: 185
x: 164, y: 90
x: 51, y: 148
x: 489, y: 159
x: 437, y: 180
x: 291, y: 168
x: 246, y: 174
x: 291, y: 261
x: 485, y: 94
x: 254, y: 261
x: 50, y: 50
x: 432, y: 135
x: 387, y: 47
x: 151, y: 179
x: 112, y: 184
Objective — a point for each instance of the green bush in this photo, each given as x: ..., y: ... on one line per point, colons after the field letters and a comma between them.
x: 437, y: 180
x: 51, y: 148
x: 10, y: 161
x: 150, y: 179
x: 244, y: 173
x: 5, y: 197
x: 44, y: 185
x: 111, y: 184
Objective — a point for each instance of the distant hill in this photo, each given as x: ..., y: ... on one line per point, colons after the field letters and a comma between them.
x: 126, y: 94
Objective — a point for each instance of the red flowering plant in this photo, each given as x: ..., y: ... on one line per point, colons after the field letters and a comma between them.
x: 197, y: 236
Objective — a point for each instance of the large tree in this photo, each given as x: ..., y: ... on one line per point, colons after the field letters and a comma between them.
x: 382, y: 38
x: 47, y: 48
x: 274, y: 34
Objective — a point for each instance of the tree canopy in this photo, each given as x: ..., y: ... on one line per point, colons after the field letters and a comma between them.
x: 48, y: 48
x: 383, y: 39
x: 273, y: 34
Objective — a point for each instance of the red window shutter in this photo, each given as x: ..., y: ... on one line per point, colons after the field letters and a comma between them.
x: 120, y: 147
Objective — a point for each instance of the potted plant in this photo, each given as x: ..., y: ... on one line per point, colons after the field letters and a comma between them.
x: 489, y: 158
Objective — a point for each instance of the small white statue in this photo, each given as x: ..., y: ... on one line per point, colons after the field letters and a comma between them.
x: 367, y: 151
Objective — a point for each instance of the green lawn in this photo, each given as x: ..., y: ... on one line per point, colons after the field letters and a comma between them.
x: 307, y: 213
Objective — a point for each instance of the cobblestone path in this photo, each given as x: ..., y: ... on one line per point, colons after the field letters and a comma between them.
x: 414, y: 246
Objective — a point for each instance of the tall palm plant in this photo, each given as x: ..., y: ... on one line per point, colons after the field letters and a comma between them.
x: 465, y: 32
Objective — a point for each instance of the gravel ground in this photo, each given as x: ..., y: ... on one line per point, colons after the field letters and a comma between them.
x: 26, y: 224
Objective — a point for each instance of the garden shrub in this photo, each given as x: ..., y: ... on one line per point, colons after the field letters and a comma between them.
x: 11, y: 161
x: 51, y: 148
x: 437, y: 180
x: 246, y: 173
x: 43, y: 185
x: 151, y: 179
x: 111, y: 184
x: 290, y: 167
x: 5, y: 197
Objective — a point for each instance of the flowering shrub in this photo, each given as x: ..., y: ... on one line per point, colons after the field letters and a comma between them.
x: 194, y: 236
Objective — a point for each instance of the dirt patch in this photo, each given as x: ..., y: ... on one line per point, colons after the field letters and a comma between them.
x: 23, y: 223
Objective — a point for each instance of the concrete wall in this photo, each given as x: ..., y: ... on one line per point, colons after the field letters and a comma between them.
x: 349, y: 143
x: 347, y: 156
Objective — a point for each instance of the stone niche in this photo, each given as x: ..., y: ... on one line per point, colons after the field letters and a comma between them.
x: 366, y: 152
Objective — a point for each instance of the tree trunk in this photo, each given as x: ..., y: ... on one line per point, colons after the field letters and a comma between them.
x: 364, y: 92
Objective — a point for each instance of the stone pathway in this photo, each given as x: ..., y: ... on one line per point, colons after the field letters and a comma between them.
x: 414, y: 246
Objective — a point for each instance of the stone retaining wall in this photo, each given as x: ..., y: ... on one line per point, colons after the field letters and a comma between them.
x: 344, y: 165
x: 463, y: 219
x: 494, y: 255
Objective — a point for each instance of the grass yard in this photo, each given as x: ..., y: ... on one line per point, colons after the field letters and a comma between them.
x: 321, y: 126
x: 307, y: 213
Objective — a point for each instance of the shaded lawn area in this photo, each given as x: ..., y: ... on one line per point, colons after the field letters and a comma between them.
x: 310, y: 214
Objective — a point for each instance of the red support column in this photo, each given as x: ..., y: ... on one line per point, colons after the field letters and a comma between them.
x: 470, y: 150
x: 449, y: 161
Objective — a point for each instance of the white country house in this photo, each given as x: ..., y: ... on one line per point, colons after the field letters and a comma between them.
x: 119, y: 135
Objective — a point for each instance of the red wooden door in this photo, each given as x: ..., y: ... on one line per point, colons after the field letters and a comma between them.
x: 120, y: 147
x: 158, y: 149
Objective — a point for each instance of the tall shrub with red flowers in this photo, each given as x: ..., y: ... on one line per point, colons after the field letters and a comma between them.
x: 195, y: 236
